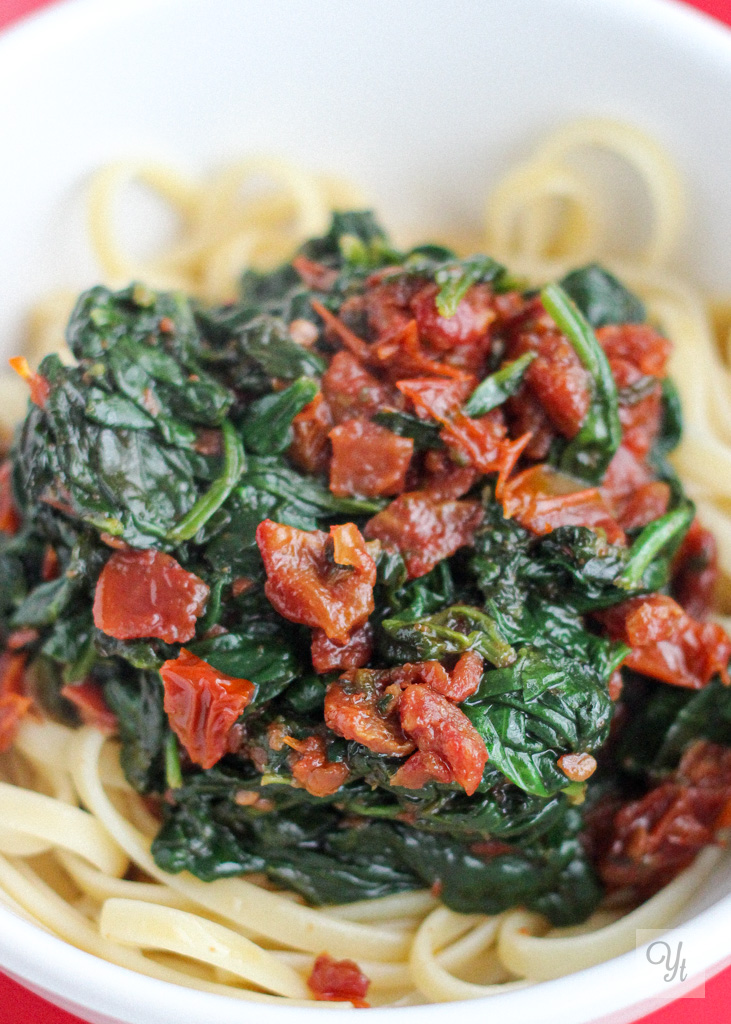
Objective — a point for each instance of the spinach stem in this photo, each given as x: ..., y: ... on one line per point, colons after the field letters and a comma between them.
x: 651, y: 541
x: 234, y: 464
x: 173, y: 774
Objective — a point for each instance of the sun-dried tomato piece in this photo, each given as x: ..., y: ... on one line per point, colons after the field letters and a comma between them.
x: 647, y: 503
x: 439, y: 727
x: 50, y: 567
x: 318, y: 580
x: 424, y: 529
x: 310, y: 448
x: 327, y: 656
x: 444, y: 478
x: 556, y: 378
x: 147, y: 593
x: 638, y: 344
x: 311, y: 768
x: 420, y: 769
x: 403, y: 355
x: 541, y: 499
x: 641, y: 846
x: 40, y: 389
x: 469, y: 326
x: 14, y: 705
x: 577, y: 767
x: 695, y: 571
x: 89, y: 701
x: 315, y: 275
x: 202, y: 705
x: 640, y: 417
x: 338, y: 980
x: 22, y: 637
x: 667, y: 643
x: 352, y: 711
x: 465, y: 677
x: 350, y: 390
x: 368, y: 460
x: 9, y: 515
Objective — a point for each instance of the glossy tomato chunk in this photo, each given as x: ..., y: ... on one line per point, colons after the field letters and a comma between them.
x: 420, y: 769
x: 667, y: 643
x: 353, y: 712
x: 368, y: 460
x: 338, y: 980
x: 9, y: 515
x: 202, y: 705
x: 350, y: 390
x: 439, y: 727
x: 541, y: 499
x: 14, y: 705
x: 320, y: 580
x: 311, y: 768
x: 425, y: 529
x: 148, y: 593
x: 695, y: 571
x: 327, y: 656
x: 310, y: 448
x: 468, y: 326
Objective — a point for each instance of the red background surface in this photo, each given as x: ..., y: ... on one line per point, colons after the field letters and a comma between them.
x: 17, y: 1006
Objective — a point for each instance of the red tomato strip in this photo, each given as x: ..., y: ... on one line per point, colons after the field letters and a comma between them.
x: 338, y: 980
x: 667, y: 643
x: 368, y: 460
x: 202, y: 705
x: 147, y: 593
x: 319, y: 580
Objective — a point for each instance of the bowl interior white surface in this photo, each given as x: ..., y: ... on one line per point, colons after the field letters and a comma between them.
x: 424, y: 105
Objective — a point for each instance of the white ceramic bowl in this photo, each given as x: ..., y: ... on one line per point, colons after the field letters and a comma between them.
x: 424, y: 103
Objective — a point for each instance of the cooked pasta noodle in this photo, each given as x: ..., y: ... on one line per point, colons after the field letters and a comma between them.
x: 75, y: 839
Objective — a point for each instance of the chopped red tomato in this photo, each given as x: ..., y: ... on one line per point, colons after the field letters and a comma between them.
x: 403, y: 355
x: 647, y: 503
x: 338, y: 980
x: 457, y: 685
x: 89, y: 701
x: 368, y: 460
x: 352, y: 711
x: 319, y: 580
x: 147, y: 593
x: 327, y: 656
x: 9, y: 515
x: 556, y: 378
x: 577, y: 767
x: 425, y: 530
x: 695, y: 571
x: 444, y: 478
x: 14, y: 705
x: 311, y: 768
x: 541, y: 499
x: 50, y: 568
x: 310, y: 448
x: 350, y: 390
x: 525, y: 415
x: 667, y: 643
x: 315, y: 275
x: 420, y: 769
x: 643, y: 845
x: 337, y: 329
x: 468, y: 326
x: 435, y: 397
x: 439, y: 727
x: 465, y: 677
x: 640, y: 416
x: 22, y: 637
x: 40, y: 389
x: 202, y: 705
x: 638, y: 344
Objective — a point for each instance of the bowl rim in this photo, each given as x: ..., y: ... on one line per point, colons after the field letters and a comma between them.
x: 76, y: 979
